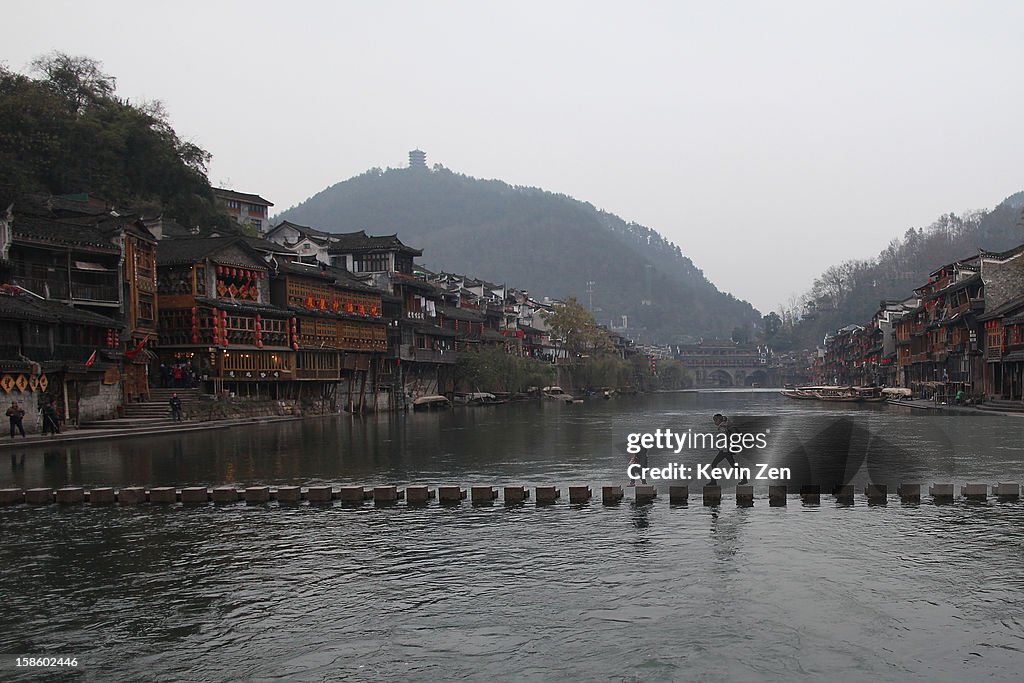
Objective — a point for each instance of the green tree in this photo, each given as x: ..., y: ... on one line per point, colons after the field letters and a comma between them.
x: 67, y: 133
x: 574, y: 325
x: 491, y: 369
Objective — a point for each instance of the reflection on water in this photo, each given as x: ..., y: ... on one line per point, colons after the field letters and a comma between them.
x: 653, y: 592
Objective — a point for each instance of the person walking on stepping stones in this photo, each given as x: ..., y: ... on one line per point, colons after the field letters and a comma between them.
x: 641, y: 460
x: 722, y: 422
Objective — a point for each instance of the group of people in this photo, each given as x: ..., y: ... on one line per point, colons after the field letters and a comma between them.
x: 52, y: 418
x: 178, y: 376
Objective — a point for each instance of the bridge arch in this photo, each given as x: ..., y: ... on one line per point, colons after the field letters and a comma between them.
x: 720, y: 378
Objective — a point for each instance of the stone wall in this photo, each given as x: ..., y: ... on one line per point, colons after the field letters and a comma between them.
x: 98, y: 401
x: 1003, y: 281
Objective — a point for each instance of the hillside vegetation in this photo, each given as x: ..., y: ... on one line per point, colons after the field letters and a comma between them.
x: 850, y: 292
x: 65, y: 131
x: 549, y: 244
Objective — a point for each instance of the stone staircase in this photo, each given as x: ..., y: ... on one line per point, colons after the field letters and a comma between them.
x: 1003, y: 406
x: 152, y: 413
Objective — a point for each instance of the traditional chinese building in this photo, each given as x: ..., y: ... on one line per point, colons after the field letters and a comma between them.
x: 48, y: 350
x: 340, y: 326
x: 216, y: 317
x: 309, y: 244
x: 80, y: 253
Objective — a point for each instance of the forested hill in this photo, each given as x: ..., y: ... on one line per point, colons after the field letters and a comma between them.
x: 66, y: 132
x: 549, y: 244
x: 851, y: 291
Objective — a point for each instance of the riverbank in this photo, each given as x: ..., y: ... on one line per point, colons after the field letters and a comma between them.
x: 951, y: 410
x: 73, y: 434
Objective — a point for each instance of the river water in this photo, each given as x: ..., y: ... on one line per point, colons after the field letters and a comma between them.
x: 654, y: 592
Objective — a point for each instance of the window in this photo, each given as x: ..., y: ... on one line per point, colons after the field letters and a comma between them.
x: 256, y: 223
x: 370, y: 263
x: 146, y: 308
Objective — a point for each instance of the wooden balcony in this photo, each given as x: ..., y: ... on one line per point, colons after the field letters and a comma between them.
x: 432, y: 356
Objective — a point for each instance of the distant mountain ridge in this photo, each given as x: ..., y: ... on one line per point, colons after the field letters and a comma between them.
x: 549, y: 244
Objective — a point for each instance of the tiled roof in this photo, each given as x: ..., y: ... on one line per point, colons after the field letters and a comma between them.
x: 89, y: 233
x: 341, y: 278
x: 240, y: 196
x: 1010, y: 306
x: 23, y: 306
x: 454, y: 313
x: 266, y: 246
x: 245, y: 306
x: 303, y: 230
x: 180, y: 250
x: 359, y: 241
x: 169, y: 227
x: 434, y: 330
x: 1000, y: 255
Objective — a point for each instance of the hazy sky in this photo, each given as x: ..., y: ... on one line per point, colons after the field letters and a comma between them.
x: 768, y: 139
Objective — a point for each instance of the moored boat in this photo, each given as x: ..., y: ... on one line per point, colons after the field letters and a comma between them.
x: 431, y: 403
x: 556, y: 394
x: 479, y: 398
x: 871, y: 394
x: 799, y: 394
x: 839, y: 394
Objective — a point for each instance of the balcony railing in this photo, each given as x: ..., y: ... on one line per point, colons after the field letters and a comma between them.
x: 52, y: 288
x: 432, y: 356
x: 84, y: 292
x: 32, y: 352
x: 310, y: 373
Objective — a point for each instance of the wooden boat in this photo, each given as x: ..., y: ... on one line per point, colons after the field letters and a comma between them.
x: 871, y: 394
x: 799, y: 394
x: 556, y: 394
x: 479, y: 398
x: 837, y: 394
x: 431, y: 403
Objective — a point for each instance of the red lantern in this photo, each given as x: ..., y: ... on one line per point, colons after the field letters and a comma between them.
x: 295, y: 346
x: 220, y: 269
x: 362, y: 309
x: 323, y: 304
x: 259, y: 344
x: 262, y: 274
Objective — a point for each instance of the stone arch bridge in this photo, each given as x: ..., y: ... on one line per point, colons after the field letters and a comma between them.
x: 726, y: 364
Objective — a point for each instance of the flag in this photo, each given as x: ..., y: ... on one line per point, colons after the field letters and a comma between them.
x: 130, y: 355
x: 92, y: 359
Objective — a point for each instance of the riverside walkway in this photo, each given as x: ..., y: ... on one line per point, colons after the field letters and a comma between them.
x: 97, y: 433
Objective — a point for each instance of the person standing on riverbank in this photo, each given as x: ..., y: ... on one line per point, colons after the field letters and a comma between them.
x: 175, y: 407
x: 16, y: 413
x: 51, y: 420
